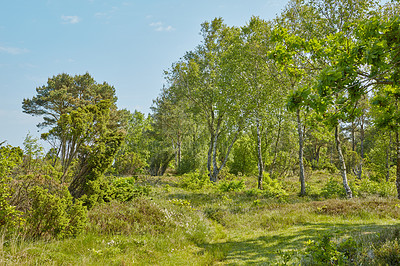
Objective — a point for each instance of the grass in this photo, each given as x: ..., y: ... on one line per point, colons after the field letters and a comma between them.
x: 177, y: 226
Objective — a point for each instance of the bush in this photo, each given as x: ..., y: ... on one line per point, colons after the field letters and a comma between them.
x: 129, y: 163
x: 333, y: 189
x: 53, y: 216
x: 272, y: 187
x: 125, y: 189
x: 232, y: 185
x: 195, y: 181
x: 10, y: 157
x: 366, y: 187
x: 323, y: 251
x: 10, y: 217
x: 388, y: 253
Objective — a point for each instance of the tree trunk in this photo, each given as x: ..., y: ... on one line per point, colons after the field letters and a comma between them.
x: 226, y: 155
x: 353, y: 136
x: 398, y: 164
x: 301, y: 163
x: 362, y: 136
x: 388, y: 157
x: 209, y: 154
x: 179, y: 153
x: 276, y: 148
x: 215, y: 169
x: 260, y: 160
x: 346, y: 186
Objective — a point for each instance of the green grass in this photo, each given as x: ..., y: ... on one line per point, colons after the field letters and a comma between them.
x: 177, y: 226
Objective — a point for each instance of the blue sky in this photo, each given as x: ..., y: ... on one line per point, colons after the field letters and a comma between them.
x: 126, y: 43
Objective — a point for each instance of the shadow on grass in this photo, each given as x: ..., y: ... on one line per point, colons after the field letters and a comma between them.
x: 265, y: 249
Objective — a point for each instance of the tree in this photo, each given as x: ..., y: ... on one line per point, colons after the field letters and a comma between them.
x: 209, y: 78
x: 321, y: 50
x: 133, y: 157
x: 84, y: 126
x: 91, y: 140
x: 370, y: 61
x: 62, y: 95
x: 263, y: 91
x: 296, y: 23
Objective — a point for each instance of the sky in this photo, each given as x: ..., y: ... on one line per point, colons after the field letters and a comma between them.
x: 127, y: 43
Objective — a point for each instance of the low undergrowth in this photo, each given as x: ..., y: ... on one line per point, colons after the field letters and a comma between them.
x: 190, y: 221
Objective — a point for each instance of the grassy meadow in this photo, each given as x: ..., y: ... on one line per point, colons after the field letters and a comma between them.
x: 186, y: 220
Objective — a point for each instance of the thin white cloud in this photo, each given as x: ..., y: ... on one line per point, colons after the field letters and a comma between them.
x: 107, y: 15
x: 13, y: 50
x: 159, y: 26
x: 70, y: 19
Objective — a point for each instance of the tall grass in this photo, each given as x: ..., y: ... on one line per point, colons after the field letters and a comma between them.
x: 182, y: 224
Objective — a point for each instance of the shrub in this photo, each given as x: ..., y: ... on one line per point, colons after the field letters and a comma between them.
x: 10, y: 217
x: 333, y: 189
x: 349, y: 249
x: 10, y: 157
x: 54, y: 216
x: 272, y: 187
x: 232, y: 185
x: 125, y: 189
x: 195, y: 181
x: 129, y: 163
x: 388, y: 253
x: 323, y: 251
x: 366, y: 187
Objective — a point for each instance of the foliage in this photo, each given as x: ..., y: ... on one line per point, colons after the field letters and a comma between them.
x: 323, y: 251
x: 98, y: 147
x: 388, y: 253
x: 125, y: 189
x: 133, y: 156
x: 54, y: 216
x: 244, y: 159
x: 231, y: 185
x: 366, y: 187
x: 139, y: 215
x: 128, y: 164
x: 10, y: 157
x: 273, y: 188
x: 333, y: 189
x: 195, y: 181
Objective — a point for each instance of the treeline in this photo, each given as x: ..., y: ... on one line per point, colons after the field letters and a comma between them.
x: 315, y: 88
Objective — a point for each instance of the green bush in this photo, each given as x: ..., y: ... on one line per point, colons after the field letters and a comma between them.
x: 388, y: 253
x: 272, y: 187
x: 323, y: 251
x: 348, y: 249
x: 129, y: 163
x: 366, y: 187
x: 195, y: 181
x: 54, y: 216
x: 106, y: 189
x: 125, y: 189
x: 10, y: 157
x: 333, y: 189
x: 231, y: 185
x: 10, y: 217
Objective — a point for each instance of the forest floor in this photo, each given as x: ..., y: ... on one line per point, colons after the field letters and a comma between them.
x: 182, y: 226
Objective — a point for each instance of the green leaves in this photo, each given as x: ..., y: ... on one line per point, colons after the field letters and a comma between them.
x: 298, y: 98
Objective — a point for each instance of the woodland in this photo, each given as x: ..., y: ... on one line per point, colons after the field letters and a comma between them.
x: 276, y: 142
